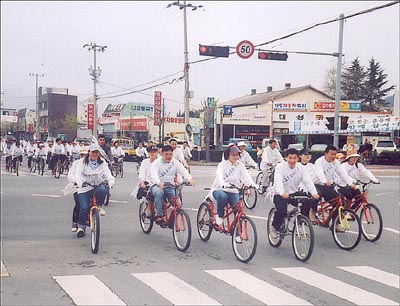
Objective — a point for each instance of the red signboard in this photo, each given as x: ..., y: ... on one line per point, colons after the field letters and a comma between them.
x: 90, y: 116
x: 157, y: 107
x: 134, y: 124
x: 175, y: 119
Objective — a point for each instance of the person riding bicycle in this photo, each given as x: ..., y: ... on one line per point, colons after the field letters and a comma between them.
x: 186, y: 152
x: 159, y: 149
x: 141, y: 153
x: 245, y: 157
x: 30, y: 151
x: 229, y: 171
x: 178, y: 153
x: 91, y: 169
x: 287, y: 179
x: 117, y: 152
x: 57, y: 153
x: 164, y: 170
x: 270, y: 158
x: 101, y: 141
x: 17, y: 154
x: 7, y: 150
x: 41, y: 151
x: 75, y: 151
x: 355, y: 170
x: 325, y: 168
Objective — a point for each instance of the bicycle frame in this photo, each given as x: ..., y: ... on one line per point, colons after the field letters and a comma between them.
x: 334, y: 205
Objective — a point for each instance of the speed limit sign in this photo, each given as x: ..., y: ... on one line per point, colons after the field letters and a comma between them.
x: 245, y: 49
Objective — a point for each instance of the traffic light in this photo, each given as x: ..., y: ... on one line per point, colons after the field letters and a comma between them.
x: 331, y: 123
x: 343, y: 122
x: 215, y: 51
x: 272, y: 56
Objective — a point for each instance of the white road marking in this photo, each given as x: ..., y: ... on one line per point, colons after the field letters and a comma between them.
x: 46, y: 195
x: 391, y: 230
x: 380, y: 276
x: 87, y: 290
x: 385, y: 193
x: 175, y: 290
x: 336, y: 287
x: 257, y: 288
x: 118, y: 201
x: 4, y: 272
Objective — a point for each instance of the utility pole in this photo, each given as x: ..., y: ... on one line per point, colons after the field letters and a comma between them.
x: 338, y: 83
x: 36, y: 75
x: 186, y: 64
x: 221, y: 130
x: 95, y: 73
x: 163, y: 121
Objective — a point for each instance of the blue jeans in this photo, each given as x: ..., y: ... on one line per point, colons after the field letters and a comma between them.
x: 222, y: 198
x: 84, y: 201
x: 159, y: 195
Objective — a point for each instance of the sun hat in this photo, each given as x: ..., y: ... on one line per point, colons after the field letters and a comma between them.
x: 352, y: 153
x: 241, y: 143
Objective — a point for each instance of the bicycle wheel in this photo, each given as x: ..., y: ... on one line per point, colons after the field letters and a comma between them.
x: 17, y: 167
x: 41, y: 167
x: 371, y: 222
x: 95, y: 230
x: 66, y: 167
x: 259, y: 179
x: 250, y: 200
x: 182, y: 230
x: 302, y: 238
x: 33, y: 166
x: 57, y: 171
x: 346, y: 229
x: 204, y: 222
x: 107, y: 199
x: 121, y: 170
x: 274, y: 241
x: 146, y: 223
x: 244, y: 239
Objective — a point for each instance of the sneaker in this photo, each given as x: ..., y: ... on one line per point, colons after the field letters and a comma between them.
x: 74, y: 227
x: 80, y: 233
x: 148, y: 212
x: 218, y: 220
x: 159, y: 219
x: 273, y: 232
x: 339, y: 229
x: 238, y: 239
x: 102, y: 212
x: 312, y: 216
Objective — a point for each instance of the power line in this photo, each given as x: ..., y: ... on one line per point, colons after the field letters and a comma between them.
x: 311, y: 27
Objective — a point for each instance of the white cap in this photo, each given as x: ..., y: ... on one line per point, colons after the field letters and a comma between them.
x: 241, y: 143
x: 94, y: 147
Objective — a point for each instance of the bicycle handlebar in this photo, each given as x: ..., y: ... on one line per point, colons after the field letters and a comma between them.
x: 300, y: 197
x: 166, y: 184
x: 85, y: 184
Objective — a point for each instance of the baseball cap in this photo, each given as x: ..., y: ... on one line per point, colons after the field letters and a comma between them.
x: 152, y: 148
x: 234, y: 149
x: 94, y: 147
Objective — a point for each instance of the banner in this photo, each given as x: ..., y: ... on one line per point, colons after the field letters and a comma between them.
x: 90, y: 116
x: 8, y: 118
x: 134, y: 124
x: 157, y: 107
x: 292, y: 106
x: 343, y: 106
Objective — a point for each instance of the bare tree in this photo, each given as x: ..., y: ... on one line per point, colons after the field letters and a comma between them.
x: 330, y: 82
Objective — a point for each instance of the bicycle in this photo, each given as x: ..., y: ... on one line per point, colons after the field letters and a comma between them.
x: 241, y: 227
x: 118, y: 168
x: 16, y: 164
x: 250, y: 196
x: 297, y: 225
x: 176, y: 218
x: 365, y: 158
x: 40, y: 164
x: 139, y: 163
x: 370, y: 215
x: 32, y: 168
x: 58, y: 168
x: 345, y: 225
x: 93, y: 220
x: 9, y: 163
x: 259, y: 179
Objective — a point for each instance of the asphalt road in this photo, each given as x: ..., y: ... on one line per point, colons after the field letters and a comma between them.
x: 45, y: 264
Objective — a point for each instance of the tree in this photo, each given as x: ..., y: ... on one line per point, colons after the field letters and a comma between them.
x: 374, y: 91
x: 70, y: 122
x: 353, y: 81
x: 330, y: 82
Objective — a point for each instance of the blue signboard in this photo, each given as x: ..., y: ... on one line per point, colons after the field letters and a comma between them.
x: 227, y: 110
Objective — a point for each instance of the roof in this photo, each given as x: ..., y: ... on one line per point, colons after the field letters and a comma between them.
x: 264, y: 97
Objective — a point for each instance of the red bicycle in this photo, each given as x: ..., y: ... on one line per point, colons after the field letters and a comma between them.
x: 176, y: 218
x: 370, y: 215
x: 235, y: 223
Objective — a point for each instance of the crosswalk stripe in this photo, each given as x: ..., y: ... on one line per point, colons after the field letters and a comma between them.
x: 87, y: 290
x: 4, y: 271
x: 380, y: 276
x: 175, y: 290
x: 256, y: 288
x: 336, y: 287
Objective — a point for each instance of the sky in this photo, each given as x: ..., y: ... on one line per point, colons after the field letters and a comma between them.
x: 145, y: 47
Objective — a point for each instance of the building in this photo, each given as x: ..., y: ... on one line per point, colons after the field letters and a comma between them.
x: 26, y: 124
x: 57, y: 113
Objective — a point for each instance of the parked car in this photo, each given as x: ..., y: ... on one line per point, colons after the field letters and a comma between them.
x: 384, y: 145
x: 318, y: 147
x: 297, y: 146
x: 248, y: 146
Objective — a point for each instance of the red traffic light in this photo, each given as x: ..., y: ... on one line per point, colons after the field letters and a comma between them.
x: 272, y: 56
x: 215, y: 51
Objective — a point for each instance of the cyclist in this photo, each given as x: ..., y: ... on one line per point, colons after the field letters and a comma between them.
x: 178, y: 153
x: 270, y: 158
x: 41, y: 151
x: 57, y: 153
x: 30, y: 151
x: 89, y: 168
x: 287, y: 178
x: 8, y: 148
x: 141, y: 153
x: 159, y: 149
x: 259, y: 156
x: 17, y: 154
x: 101, y: 141
x: 355, y: 170
x: 229, y: 171
x: 164, y: 170
x: 325, y: 168
x: 117, y: 151
x: 310, y: 206
x: 75, y: 151
x: 186, y: 152
x: 245, y: 157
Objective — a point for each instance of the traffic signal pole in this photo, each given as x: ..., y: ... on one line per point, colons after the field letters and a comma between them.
x: 338, y: 83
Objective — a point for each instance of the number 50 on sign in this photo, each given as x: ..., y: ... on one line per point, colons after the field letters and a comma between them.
x: 245, y: 49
